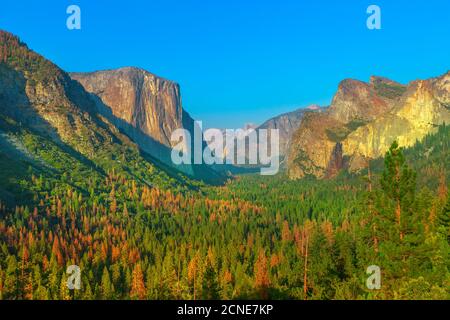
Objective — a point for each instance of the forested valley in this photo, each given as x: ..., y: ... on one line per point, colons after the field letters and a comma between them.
x: 254, y: 237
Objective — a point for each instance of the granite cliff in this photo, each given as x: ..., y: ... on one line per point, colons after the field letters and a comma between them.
x: 145, y: 107
x: 98, y: 117
x: 362, y: 122
x: 138, y: 99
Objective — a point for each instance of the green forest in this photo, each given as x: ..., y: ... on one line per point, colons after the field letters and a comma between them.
x: 139, y: 229
x: 254, y: 237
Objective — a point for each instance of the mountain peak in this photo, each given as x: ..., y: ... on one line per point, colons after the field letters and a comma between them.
x: 363, y: 120
x: 356, y: 100
x: 374, y: 80
x: 350, y: 84
x: 11, y: 39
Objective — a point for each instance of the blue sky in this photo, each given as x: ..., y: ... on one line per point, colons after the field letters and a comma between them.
x: 241, y: 61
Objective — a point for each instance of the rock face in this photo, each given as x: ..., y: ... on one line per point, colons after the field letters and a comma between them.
x: 39, y: 95
x: 363, y: 121
x: 139, y: 99
x: 287, y: 123
x: 92, y: 122
x: 356, y: 100
x: 146, y: 108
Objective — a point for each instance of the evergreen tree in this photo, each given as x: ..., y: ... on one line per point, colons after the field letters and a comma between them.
x: 138, y: 290
x: 444, y: 221
x: 106, y: 287
x: 64, y: 293
x: 210, y: 285
x: 87, y: 295
x: 400, y: 224
x: 11, y: 281
x: 261, y: 271
x: 398, y: 185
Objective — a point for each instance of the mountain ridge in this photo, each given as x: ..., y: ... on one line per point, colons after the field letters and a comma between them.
x: 287, y: 123
x: 363, y: 120
x: 40, y: 102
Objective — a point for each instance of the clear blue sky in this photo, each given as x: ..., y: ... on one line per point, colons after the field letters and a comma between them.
x: 242, y: 61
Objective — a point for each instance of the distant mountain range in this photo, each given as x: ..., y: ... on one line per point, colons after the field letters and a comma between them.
x: 101, y: 116
x: 287, y: 124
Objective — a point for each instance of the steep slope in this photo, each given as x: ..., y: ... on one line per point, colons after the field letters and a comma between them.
x: 357, y: 100
x: 311, y: 145
x: 142, y: 100
x: 146, y: 108
x: 362, y: 122
x: 424, y: 106
x: 429, y: 157
x: 287, y: 123
x: 49, y: 123
x: 41, y: 96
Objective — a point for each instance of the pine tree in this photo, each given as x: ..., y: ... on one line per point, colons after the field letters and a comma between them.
x: 106, y: 287
x: 41, y: 293
x: 398, y: 184
x: 64, y: 293
x: 25, y: 278
x: 210, y: 285
x: 444, y: 220
x: 400, y: 221
x: 53, y: 279
x: 87, y: 295
x: 193, y: 269
x: 28, y: 287
x: 285, y: 233
x: 138, y: 290
x: 11, y: 282
x: 1, y: 283
x: 261, y: 271
x: 170, y: 286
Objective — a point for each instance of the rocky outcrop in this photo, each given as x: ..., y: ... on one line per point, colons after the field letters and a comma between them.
x: 137, y: 98
x: 420, y: 111
x: 90, y: 124
x: 311, y: 148
x: 363, y: 121
x: 147, y: 109
x: 336, y: 162
x: 41, y: 96
x: 356, y: 100
x: 287, y: 123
